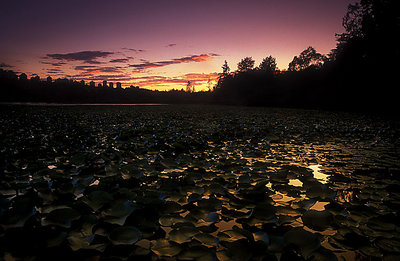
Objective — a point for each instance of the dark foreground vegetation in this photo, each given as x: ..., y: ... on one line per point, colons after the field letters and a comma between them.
x: 197, y: 183
x: 360, y: 74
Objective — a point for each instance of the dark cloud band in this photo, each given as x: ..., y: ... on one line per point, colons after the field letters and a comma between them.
x: 85, y: 56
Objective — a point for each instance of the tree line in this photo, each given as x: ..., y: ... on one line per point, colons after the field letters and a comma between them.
x: 359, y: 74
x: 14, y: 88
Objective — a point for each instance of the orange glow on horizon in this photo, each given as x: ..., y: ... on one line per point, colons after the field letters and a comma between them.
x: 201, y: 81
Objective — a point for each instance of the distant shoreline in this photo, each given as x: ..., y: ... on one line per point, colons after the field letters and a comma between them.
x: 81, y: 104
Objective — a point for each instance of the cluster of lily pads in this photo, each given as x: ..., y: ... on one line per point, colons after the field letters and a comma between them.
x: 197, y: 183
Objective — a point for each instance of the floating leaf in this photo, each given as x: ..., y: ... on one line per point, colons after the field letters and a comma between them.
x: 118, y: 213
x: 61, y: 217
x: 170, y: 220
x: 163, y: 247
x: 197, y: 253
x: 183, y: 234
x: 98, y: 198
x: 239, y: 250
x: 206, y: 239
x: 125, y: 235
x: 261, y: 237
x: 306, y: 241
x: 317, y: 220
x: 17, y: 218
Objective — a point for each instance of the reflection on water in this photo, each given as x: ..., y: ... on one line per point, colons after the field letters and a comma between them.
x: 225, y: 225
x: 79, y: 104
x: 295, y: 182
x: 94, y: 183
x: 345, y: 196
x: 144, y: 243
x: 323, y: 178
x: 319, y: 206
x: 281, y: 199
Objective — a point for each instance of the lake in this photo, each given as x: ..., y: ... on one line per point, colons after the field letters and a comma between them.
x: 191, y: 182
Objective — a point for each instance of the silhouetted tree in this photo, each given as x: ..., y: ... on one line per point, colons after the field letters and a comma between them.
x: 309, y: 58
x: 8, y: 74
x: 246, y: 64
x: 225, y: 68
x: 268, y: 65
x: 369, y: 18
x: 372, y: 23
x: 189, y: 87
x: 352, y: 21
x: 35, y: 78
x: 223, y: 76
x: 209, y: 85
x: 23, y: 76
x: 365, y: 62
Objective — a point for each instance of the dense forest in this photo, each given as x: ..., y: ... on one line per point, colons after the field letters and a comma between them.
x: 359, y: 74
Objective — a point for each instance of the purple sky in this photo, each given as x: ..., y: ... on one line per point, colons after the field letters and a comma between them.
x: 160, y: 44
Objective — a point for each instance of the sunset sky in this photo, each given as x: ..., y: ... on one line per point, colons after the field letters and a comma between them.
x: 159, y: 44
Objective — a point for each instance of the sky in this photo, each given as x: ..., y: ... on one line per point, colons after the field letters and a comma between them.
x: 159, y: 44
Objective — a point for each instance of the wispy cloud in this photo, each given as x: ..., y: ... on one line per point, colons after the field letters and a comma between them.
x: 122, y: 60
x: 171, y: 45
x: 54, y: 71
x: 187, y: 59
x: 104, y: 77
x: 53, y: 63
x: 4, y: 65
x: 201, y: 77
x: 92, y: 69
x: 85, y: 67
x: 151, y: 81
x: 133, y: 50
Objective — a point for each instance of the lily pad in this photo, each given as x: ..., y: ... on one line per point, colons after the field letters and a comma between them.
x: 206, y: 239
x: 305, y: 241
x: 197, y: 253
x: 163, y: 247
x: 239, y: 250
x: 125, y: 235
x: 183, y: 234
x: 170, y: 220
x: 317, y: 220
x: 97, y: 199
x: 261, y: 237
x: 61, y: 217
x: 118, y: 213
